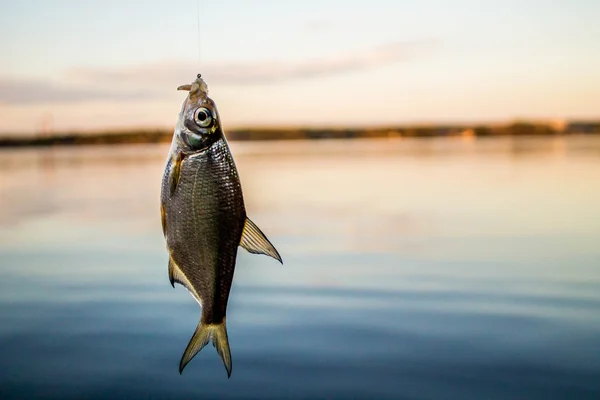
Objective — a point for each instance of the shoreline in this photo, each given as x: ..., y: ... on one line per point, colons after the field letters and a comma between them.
x: 143, y: 136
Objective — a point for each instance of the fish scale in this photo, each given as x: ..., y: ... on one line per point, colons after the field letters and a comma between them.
x: 206, y: 208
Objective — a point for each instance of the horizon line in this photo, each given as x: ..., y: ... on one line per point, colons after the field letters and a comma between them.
x: 554, y: 122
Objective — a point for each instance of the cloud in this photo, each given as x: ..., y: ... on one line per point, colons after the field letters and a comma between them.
x: 260, y: 72
x: 151, y: 81
x: 19, y: 91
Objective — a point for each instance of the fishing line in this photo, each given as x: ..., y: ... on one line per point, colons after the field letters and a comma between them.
x: 198, y: 21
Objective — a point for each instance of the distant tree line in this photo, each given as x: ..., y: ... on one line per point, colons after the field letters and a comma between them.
x: 165, y: 135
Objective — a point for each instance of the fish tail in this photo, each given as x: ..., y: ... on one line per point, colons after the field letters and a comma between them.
x: 221, y: 343
x: 201, y: 337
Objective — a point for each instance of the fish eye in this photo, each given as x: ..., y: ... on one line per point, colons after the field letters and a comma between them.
x: 203, y: 117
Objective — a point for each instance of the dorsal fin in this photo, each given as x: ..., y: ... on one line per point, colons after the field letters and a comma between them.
x: 254, y: 241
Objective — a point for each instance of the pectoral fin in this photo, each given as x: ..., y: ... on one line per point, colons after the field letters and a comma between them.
x: 254, y: 241
x: 163, y: 219
x: 175, y: 172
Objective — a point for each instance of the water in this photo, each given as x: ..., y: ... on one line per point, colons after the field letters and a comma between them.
x: 433, y: 269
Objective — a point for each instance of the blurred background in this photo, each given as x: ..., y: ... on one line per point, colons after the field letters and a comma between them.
x: 429, y: 172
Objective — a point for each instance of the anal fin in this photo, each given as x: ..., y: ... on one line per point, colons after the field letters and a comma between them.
x: 177, y: 276
x: 254, y: 241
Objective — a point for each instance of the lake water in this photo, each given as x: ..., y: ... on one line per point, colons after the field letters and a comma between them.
x: 418, y: 269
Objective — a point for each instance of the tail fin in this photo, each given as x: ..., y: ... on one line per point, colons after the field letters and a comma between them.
x: 203, y: 334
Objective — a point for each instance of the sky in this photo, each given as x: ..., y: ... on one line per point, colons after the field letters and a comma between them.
x: 94, y: 65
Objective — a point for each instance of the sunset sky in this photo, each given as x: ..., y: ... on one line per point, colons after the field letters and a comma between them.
x: 111, y: 64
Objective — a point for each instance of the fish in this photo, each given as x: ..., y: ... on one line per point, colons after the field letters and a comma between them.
x: 204, y: 218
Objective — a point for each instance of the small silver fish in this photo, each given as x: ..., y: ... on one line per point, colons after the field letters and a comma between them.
x: 204, y: 218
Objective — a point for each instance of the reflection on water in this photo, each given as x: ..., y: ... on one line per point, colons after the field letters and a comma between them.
x: 436, y: 268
